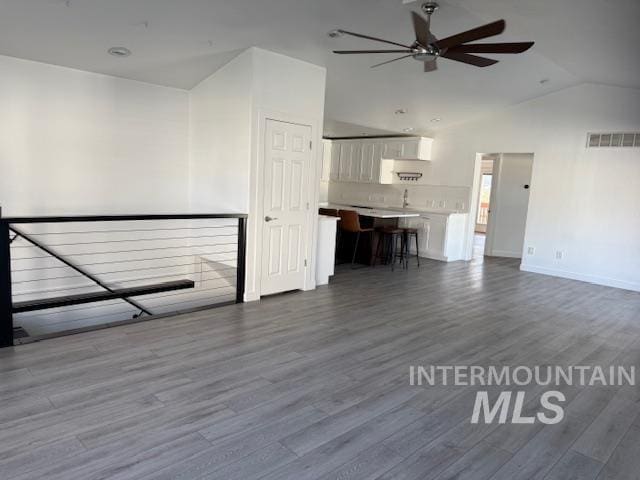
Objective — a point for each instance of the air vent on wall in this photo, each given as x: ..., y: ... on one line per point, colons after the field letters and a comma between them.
x: 599, y: 140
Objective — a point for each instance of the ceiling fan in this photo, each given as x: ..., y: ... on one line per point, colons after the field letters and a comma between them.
x: 427, y: 48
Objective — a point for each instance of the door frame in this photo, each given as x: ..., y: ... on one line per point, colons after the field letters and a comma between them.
x: 493, y: 206
x: 480, y: 172
x: 256, y: 200
x: 494, y: 203
x: 474, y: 205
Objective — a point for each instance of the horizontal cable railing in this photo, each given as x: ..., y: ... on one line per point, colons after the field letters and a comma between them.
x: 60, y: 275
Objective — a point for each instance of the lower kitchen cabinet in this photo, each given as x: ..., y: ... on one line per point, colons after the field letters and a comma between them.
x: 440, y: 236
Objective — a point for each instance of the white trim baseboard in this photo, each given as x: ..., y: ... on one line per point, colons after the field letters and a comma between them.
x: 433, y: 256
x: 505, y: 253
x: 598, y: 280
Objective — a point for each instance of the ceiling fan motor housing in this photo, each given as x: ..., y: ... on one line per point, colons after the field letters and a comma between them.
x: 425, y: 53
x: 430, y: 7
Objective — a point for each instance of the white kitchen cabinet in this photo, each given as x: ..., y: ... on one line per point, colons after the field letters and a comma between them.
x: 326, y: 254
x: 371, y: 160
x: 334, y: 170
x: 326, y: 160
x: 440, y: 236
x: 350, y: 160
x: 366, y: 163
x: 344, y: 174
x: 393, y: 149
x: 356, y: 161
x: 407, y: 148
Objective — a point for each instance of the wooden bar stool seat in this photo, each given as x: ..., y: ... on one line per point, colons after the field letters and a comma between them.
x: 350, y: 222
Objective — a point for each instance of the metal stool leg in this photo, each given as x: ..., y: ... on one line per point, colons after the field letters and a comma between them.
x: 394, y: 239
x: 402, y: 257
x: 405, y: 249
x: 417, y: 250
x: 388, y: 239
x: 355, y: 250
x: 381, y: 250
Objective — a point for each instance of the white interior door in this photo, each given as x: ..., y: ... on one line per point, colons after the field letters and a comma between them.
x: 509, y: 205
x: 286, y: 206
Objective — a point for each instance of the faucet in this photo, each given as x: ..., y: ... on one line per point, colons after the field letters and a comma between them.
x: 405, y: 198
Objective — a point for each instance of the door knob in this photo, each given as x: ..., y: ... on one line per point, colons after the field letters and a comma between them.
x: 269, y: 219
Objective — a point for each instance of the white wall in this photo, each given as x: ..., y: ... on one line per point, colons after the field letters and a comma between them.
x: 228, y: 114
x: 583, y: 202
x: 220, y: 138
x: 76, y: 142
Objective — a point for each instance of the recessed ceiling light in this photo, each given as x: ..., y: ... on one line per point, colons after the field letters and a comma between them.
x: 401, y: 111
x: 408, y: 129
x: 437, y: 119
x: 335, y: 33
x: 119, y: 51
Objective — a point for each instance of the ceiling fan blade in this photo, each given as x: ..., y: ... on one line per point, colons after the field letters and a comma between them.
x: 478, y: 33
x: 517, y: 47
x: 389, y: 61
x: 375, y: 39
x: 470, y: 59
x: 350, y: 52
x: 430, y: 66
x: 421, y: 27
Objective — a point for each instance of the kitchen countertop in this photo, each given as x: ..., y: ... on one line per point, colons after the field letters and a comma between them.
x: 412, y: 212
x: 328, y: 218
x: 375, y: 212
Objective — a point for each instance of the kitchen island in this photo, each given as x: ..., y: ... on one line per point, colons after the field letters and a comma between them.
x: 441, y: 233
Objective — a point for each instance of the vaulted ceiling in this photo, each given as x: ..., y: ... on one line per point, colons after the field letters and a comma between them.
x: 178, y: 43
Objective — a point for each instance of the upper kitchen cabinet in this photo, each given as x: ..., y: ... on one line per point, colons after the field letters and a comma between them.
x: 344, y: 161
x: 334, y: 161
x: 407, y: 148
x: 326, y: 160
x: 371, y: 160
x: 356, y: 162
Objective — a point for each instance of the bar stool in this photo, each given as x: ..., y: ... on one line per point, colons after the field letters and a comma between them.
x: 350, y: 222
x: 387, y: 248
x: 410, y: 233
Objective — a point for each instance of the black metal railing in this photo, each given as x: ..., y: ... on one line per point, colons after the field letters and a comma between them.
x: 61, y: 275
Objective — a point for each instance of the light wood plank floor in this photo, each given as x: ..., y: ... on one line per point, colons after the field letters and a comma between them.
x: 314, y: 385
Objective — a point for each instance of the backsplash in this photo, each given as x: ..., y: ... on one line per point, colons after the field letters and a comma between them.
x: 428, y: 197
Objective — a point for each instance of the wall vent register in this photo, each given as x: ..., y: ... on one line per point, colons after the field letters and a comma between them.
x: 599, y: 140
